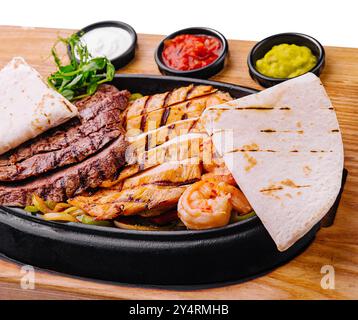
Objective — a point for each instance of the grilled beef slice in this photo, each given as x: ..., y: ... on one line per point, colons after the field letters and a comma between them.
x: 98, y: 123
x: 70, y: 181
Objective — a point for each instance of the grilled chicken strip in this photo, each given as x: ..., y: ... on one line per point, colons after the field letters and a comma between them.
x: 177, y: 149
x: 151, y: 120
x: 154, y: 138
x: 167, y: 174
x: 170, y: 176
x: 162, y: 100
x: 109, y: 204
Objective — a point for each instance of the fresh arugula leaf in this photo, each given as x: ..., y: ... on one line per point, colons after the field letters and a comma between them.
x: 68, y: 94
x: 83, y: 74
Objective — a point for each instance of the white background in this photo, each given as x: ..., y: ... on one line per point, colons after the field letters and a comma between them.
x: 331, y: 22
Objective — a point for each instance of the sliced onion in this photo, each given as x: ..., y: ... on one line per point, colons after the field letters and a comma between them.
x: 61, y: 206
x: 40, y: 204
x: 59, y: 216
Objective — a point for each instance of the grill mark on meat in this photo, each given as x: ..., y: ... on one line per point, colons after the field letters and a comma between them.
x: 189, y: 92
x: 93, y: 147
x: 193, y: 124
x: 168, y: 183
x: 101, y: 171
x: 145, y: 104
x: 165, y: 116
x: 116, y: 174
x: 118, y: 164
x: 129, y: 198
x: 202, y: 95
x: 65, y: 138
x: 82, y: 180
x: 42, y: 192
x: 147, y: 140
x: 119, y: 202
x: 74, y: 154
x: 54, y: 160
x: 124, y: 117
x: 167, y: 110
x: 166, y: 99
x: 143, y: 119
x: 63, y: 186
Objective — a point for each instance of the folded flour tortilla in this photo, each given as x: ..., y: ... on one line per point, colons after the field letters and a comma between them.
x: 28, y: 107
x: 285, y: 151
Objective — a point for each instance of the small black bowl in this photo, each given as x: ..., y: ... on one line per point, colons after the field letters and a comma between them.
x: 124, y: 58
x: 202, y: 73
x: 262, y: 47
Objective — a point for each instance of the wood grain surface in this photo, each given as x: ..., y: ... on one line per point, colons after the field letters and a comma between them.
x: 299, y: 279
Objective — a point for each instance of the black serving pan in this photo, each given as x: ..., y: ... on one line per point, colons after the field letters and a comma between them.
x: 232, y: 253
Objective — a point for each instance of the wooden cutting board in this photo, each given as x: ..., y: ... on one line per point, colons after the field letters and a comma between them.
x: 336, y: 246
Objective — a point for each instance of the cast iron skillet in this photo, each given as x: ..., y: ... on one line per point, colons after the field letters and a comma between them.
x: 236, y: 252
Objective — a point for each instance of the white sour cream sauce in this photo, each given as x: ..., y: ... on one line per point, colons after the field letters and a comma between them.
x: 110, y: 42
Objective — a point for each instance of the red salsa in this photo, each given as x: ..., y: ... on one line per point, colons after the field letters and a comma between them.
x: 188, y: 52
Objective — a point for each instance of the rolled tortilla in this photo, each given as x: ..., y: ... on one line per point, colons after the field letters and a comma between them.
x: 28, y: 107
x: 285, y: 151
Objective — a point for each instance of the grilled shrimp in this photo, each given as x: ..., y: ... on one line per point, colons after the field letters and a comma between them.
x: 203, y: 206
x: 208, y: 204
x: 221, y: 175
x: 237, y: 198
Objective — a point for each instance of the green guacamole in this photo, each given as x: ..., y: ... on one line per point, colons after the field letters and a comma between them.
x: 286, y: 61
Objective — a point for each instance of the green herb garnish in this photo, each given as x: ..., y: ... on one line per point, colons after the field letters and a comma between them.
x: 82, y: 76
x: 235, y: 217
x: 90, y: 220
x: 31, y: 209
